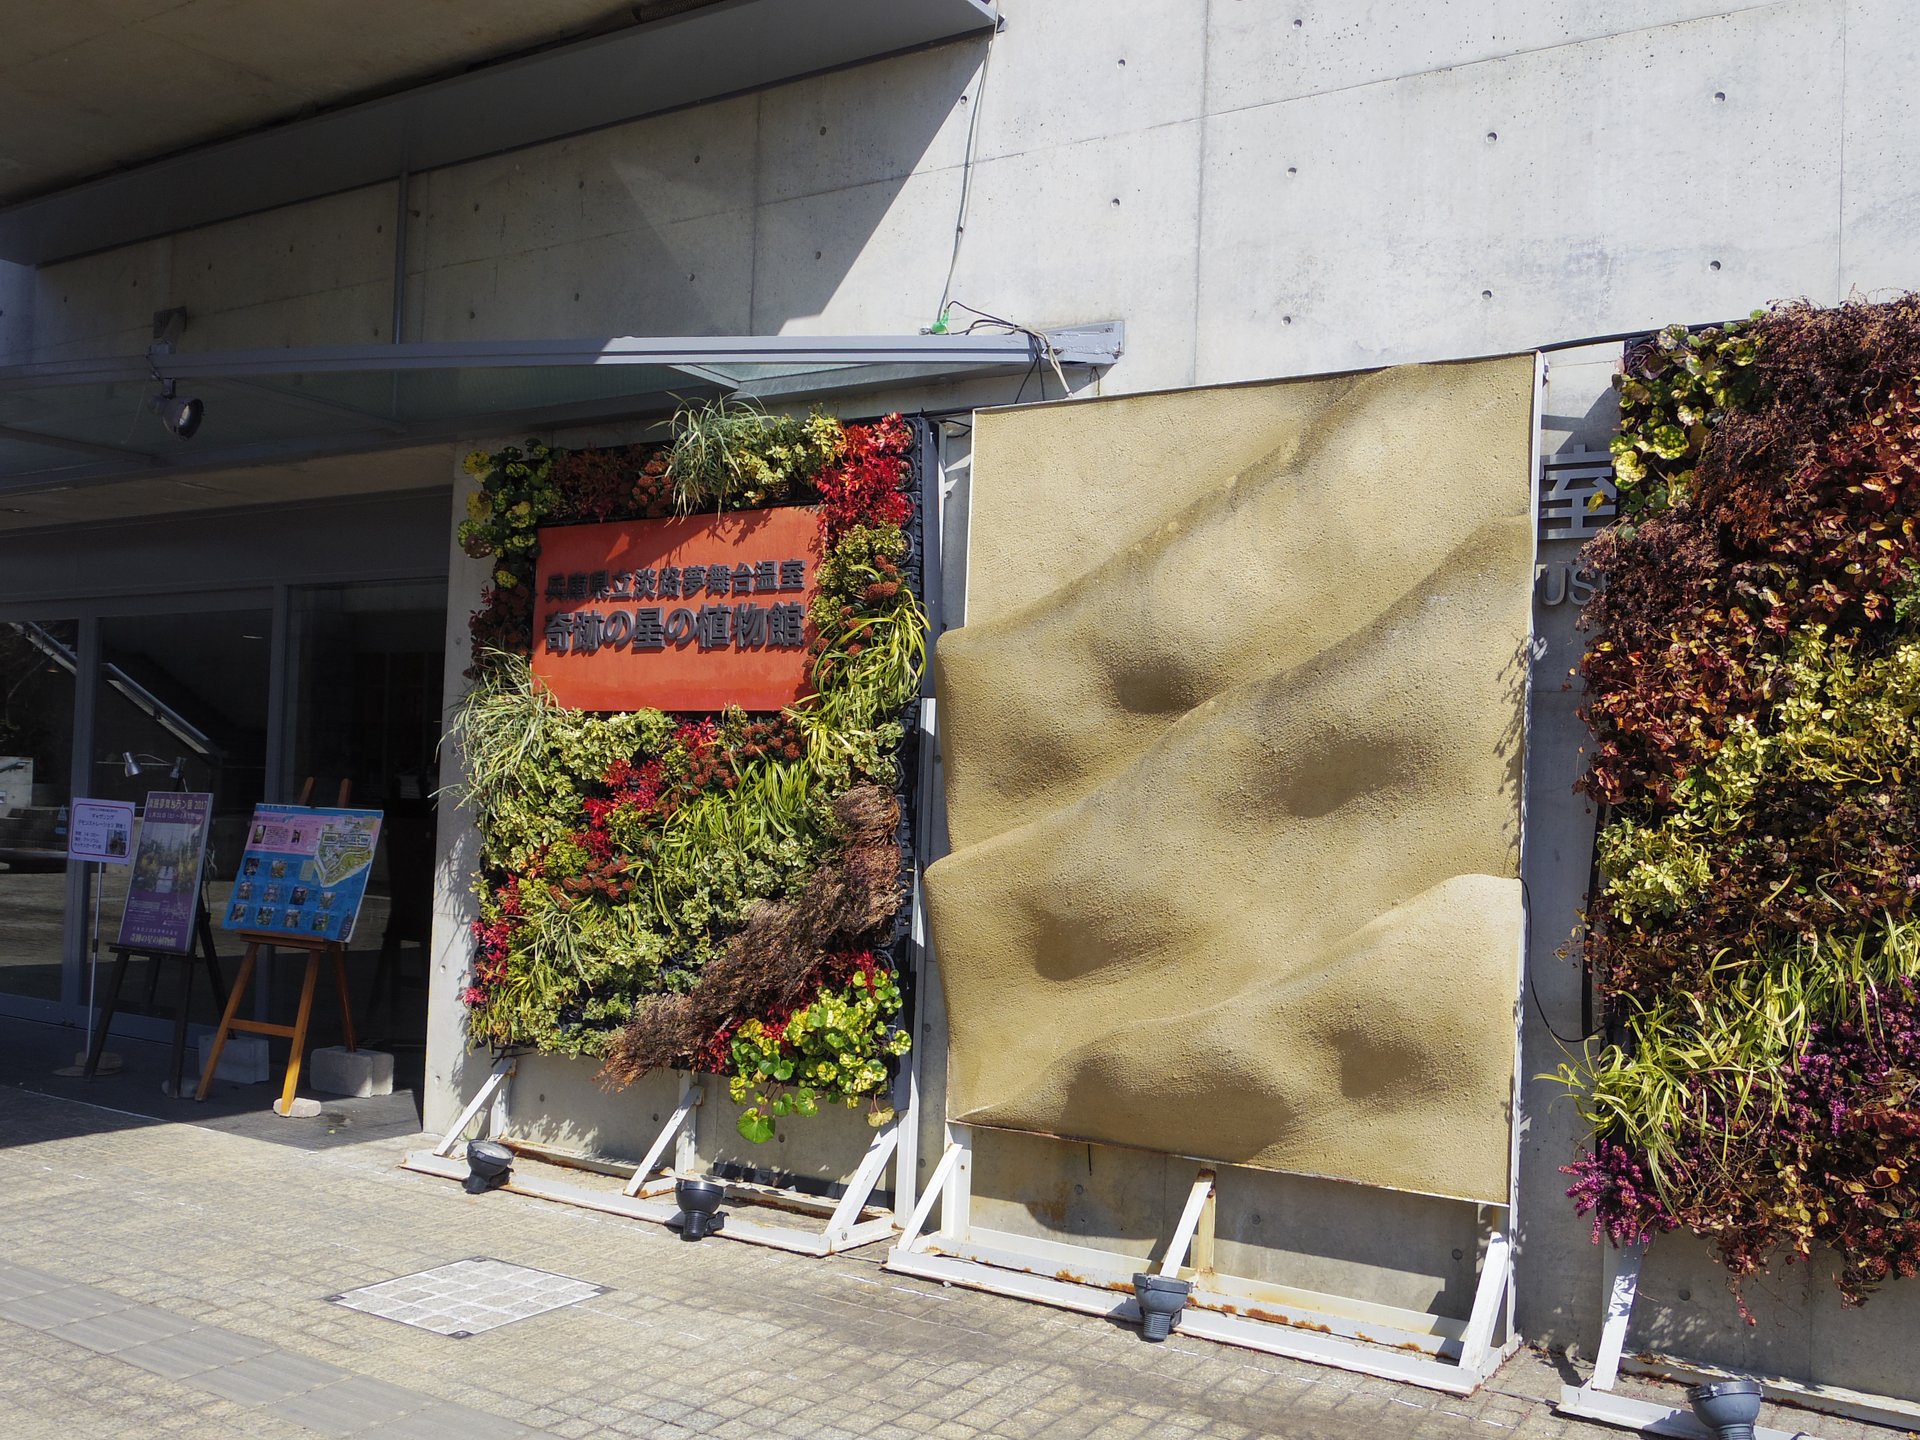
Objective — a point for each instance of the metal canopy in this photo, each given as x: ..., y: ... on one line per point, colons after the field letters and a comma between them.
x: 717, y: 50
x: 69, y: 422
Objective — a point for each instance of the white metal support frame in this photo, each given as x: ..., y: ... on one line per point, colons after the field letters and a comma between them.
x: 1597, y: 1399
x: 495, y: 1086
x: 1430, y: 1350
x: 850, y: 1220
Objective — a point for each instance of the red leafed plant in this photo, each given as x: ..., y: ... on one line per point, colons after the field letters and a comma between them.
x: 1753, y: 687
x: 866, y: 486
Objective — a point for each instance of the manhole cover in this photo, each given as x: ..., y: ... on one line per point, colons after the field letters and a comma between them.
x: 468, y: 1296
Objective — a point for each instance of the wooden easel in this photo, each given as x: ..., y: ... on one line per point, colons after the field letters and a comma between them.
x: 296, y: 1032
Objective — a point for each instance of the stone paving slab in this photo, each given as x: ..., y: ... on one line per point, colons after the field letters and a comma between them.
x: 53, y: 1308
x: 119, y: 1330
x: 17, y: 1281
x: 352, y: 1406
x: 248, y: 1242
x: 192, y: 1352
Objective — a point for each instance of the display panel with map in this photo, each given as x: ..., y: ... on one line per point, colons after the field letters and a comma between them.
x: 304, y: 872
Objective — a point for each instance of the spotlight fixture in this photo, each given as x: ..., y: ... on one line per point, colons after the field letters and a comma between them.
x: 182, y: 417
x: 698, y: 1200
x: 130, y: 764
x: 1727, y: 1407
x: 1161, y: 1299
x: 489, y: 1166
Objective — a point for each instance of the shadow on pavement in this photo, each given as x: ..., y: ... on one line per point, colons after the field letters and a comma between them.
x: 30, y: 1053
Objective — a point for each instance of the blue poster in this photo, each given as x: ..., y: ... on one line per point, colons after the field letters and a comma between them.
x: 304, y: 872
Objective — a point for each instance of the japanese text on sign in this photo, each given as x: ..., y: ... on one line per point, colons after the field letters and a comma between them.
x: 744, y: 625
x: 694, y: 613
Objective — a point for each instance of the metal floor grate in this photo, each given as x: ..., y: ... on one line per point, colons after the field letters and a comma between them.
x: 468, y: 1296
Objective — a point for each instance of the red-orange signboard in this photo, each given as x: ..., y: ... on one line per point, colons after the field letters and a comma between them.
x: 692, y: 614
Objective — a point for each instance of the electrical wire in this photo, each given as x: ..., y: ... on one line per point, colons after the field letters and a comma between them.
x: 1034, y: 369
x: 1526, y: 932
x: 1044, y: 347
x: 966, y: 177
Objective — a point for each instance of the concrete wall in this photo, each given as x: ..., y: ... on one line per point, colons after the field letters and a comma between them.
x: 1257, y: 190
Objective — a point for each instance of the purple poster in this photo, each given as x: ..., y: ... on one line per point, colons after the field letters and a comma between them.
x: 164, y: 892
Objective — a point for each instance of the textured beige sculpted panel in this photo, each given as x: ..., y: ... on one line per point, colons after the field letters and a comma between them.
x: 1233, y: 744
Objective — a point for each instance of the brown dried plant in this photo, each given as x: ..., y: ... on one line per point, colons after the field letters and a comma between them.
x: 770, y: 964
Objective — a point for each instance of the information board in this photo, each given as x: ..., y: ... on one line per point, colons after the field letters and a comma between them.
x: 101, y: 830
x: 304, y: 871
x: 163, y: 892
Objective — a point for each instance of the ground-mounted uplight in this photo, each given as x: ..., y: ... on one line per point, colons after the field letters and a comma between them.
x: 1161, y: 1299
x: 489, y: 1166
x: 1727, y: 1407
x: 698, y: 1201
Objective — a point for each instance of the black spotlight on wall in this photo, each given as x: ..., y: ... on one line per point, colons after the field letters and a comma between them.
x: 182, y: 417
x: 698, y: 1200
x: 1727, y: 1407
x: 489, y: 1166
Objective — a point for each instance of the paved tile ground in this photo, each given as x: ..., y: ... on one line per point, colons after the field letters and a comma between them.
x: 163, y: 1278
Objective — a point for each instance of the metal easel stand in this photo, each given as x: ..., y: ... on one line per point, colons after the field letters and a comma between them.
x: 849, y: 1220
x: 1396, y: 1344
x: 1597, y: 1400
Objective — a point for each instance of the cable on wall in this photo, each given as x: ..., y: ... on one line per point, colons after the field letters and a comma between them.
x: 939, y: 326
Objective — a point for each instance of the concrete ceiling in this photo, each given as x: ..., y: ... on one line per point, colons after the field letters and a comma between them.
x: 417, y: 468
x: 91, y: 86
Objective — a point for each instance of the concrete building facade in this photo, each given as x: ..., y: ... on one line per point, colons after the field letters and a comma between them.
x: 1257, y: 190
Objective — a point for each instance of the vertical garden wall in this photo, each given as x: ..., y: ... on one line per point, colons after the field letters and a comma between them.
x: 1752, y: 679
x: 720, y: 891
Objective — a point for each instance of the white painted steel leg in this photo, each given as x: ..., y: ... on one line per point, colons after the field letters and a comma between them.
x: 690, y: 1096
x: 956, y: 1201
x: 1623, y: 1283
x: 686, y: 1148
x: 1189, y: 1221
x: 906, y: 1152
x: 497, y: 1125
x: 936, y: 1183
x: 862, y: 1184
x: 502, y: 1068
x: 1489, y: 1299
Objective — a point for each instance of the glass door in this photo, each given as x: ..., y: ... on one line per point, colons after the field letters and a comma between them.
x: 182, y: 704
x: 39, y: 663
x: 364, y: 699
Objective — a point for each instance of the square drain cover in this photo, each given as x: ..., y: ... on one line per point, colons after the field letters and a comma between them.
x: 468, y: 1296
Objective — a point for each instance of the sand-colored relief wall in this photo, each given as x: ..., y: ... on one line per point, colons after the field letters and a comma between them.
x: 1233, y: 747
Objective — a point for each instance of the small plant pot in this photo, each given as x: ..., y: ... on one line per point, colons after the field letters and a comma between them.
x: 698, y: 1201
x: 489, y: 1166
x: 1727, y: 1407
x: 1161, y: 1299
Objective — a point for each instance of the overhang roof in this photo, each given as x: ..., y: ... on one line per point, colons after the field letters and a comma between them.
x: 86, y: 88
x: 81, y: 422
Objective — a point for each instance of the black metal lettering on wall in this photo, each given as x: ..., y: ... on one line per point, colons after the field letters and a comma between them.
x: 738, y: 625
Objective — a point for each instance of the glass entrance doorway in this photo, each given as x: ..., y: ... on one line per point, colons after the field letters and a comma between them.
x: 37, y: 690
x: 244, y: 695
x: 364, y: 697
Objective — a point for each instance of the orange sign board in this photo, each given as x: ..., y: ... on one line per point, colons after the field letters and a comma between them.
x: 691, y: 614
